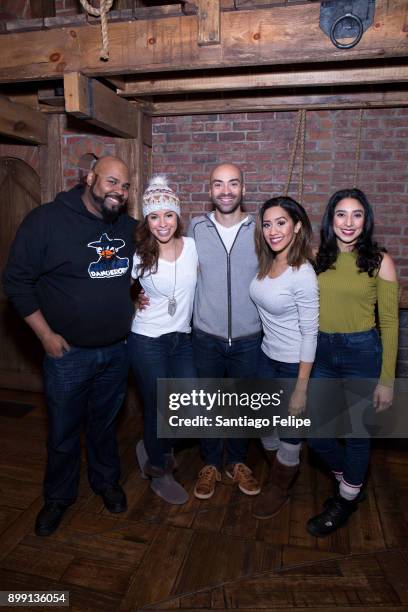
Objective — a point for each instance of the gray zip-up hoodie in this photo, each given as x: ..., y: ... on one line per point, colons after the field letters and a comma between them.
x: 222, y: 306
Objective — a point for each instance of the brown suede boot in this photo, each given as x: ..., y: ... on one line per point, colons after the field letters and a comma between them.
x: 276, y: 493
x: 270, y: 457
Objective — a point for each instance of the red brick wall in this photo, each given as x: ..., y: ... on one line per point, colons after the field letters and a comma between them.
x: 75, y: 145
x: 186, y: 148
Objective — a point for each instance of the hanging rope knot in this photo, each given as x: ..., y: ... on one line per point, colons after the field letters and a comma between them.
x: 102, y: 12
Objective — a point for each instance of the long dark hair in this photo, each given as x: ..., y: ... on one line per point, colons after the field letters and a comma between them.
x: 301, y: 248
x: 369, y: 254
x: 147, y: 247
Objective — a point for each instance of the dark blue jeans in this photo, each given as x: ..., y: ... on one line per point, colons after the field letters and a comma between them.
x: 346, y: 356
x: 215, y: 358
x: 270, y: 368
x: 168, y: 356
x: 85, y: 384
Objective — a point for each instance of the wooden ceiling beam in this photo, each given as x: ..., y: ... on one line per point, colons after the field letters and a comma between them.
x: 303, y: 78
x: 281, y: 103
x: 22, y: 122
x: 276, y: 36
x: 90, y: 100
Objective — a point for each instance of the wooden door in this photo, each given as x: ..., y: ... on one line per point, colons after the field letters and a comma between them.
x: 20, y: 351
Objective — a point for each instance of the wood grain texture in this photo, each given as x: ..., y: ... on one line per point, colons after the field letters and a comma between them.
x: 21, y: 122
x: 209, y: 22
x: 94, y: 102
x: 51, y: 170
x: 294, y: 78
x: 237, y: 104
x: 202, y: 556
x: 279, y: 35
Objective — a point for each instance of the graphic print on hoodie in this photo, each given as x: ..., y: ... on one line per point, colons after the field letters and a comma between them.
x: 109, y: 262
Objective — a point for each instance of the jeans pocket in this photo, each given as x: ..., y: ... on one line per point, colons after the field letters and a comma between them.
x: 61, y: 357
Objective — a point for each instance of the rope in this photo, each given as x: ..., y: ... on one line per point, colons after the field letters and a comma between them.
x: 358, y: 149
x: 302, y: 155
x: 102, y: 12
x: 300, y: 136
x: 293, y: 153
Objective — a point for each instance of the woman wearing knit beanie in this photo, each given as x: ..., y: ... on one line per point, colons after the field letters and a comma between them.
x: 165, y: 263
x: 355, y: 277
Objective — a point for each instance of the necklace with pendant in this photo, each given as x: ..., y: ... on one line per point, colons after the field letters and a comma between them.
x: 171, y: 299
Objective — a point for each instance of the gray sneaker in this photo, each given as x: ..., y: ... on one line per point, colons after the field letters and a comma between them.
x: 169, y: 489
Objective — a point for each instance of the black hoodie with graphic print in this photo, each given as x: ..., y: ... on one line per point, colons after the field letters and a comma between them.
x: 75, y: 268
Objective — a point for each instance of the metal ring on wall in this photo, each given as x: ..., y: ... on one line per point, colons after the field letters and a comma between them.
x: 357, y: 39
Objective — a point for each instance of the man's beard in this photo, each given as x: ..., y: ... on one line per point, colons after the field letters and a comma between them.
x: 109, y: 215
x: 225, y: 208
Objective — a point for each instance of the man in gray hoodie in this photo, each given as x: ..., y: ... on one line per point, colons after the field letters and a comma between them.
x: 226, y: 325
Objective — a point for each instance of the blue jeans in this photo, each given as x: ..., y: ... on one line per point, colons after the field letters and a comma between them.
x: 168, y: 356
x: 346, y: 356
x: 85, y: 384
x: 215, y: 358
x: 271, y: 368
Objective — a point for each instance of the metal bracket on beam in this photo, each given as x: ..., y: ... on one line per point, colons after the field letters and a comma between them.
x: 346, y: 19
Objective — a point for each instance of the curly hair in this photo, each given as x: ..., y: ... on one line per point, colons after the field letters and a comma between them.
x: 300, y: 250
x: 147, y: 247
x: 369, y: 254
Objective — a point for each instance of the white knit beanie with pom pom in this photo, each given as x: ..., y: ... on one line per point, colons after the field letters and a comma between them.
x: 159, y: 196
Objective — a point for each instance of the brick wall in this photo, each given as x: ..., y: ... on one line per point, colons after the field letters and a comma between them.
x: 187, y: 147
x: 75, y: 146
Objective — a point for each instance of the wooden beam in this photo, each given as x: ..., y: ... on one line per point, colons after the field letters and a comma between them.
x: 277, y: 103
x: 48, y: 96
x: 209, y: 22
x: 90, y: 100
x: 22, y: 122
x: 303, y: 78
x: 51, y: 167
x: 132, y: 151
x: 276, y: 36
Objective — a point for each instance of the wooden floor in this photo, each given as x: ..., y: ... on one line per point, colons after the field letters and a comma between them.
x: 203, y: 555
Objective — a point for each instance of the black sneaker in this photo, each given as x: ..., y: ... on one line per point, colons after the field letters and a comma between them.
x: 335, y: 515
x: 49, y: 518
x: 114, y: 498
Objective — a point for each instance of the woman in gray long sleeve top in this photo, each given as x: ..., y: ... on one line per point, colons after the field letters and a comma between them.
x: 285, y: 292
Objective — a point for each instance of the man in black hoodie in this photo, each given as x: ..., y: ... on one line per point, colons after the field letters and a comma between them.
x: 68, y: 275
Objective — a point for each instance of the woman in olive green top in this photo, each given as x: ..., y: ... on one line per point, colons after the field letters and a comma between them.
x: 355, y: 276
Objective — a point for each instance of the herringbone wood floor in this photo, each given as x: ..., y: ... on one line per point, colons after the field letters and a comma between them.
x: 204, y: 555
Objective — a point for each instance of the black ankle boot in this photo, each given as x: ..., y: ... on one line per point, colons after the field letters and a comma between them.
x: 336, y: 514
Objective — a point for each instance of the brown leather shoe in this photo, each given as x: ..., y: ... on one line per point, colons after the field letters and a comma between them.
x: 275, y: 494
